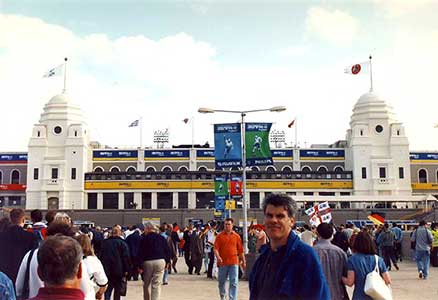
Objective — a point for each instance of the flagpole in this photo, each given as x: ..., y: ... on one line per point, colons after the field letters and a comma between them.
x: 371, y: 75
x: 141, y: 132
x: 65, y: 75
x: 296, y: 133
x: 193, y: 132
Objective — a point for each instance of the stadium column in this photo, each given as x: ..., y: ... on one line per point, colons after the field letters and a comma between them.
x: 100, y: 200
x: 175, y: 200
x: 121, y: 200
x: 137, y: 200
x: 192, y: 200
x: 154, y: 200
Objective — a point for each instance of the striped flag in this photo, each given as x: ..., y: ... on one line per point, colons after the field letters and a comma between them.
x: 377, y: 217
x: 57, y: 71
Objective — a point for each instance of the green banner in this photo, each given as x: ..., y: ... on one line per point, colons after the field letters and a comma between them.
x: 257, y: 148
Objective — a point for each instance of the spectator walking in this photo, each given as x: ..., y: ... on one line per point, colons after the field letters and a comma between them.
x: 386, y: 242
x: 361, y: 263
x: 287, y: 268
x: 210, y: 238
x: 133, y: 241
x: 95, y: 270
x: 398, y: 241
x: 115, y: 261
x: 434, y: 251
x: 333, y: 261
x: 186, y: 248
x: 154, y: 255
x: 60, y: 268
x: 173, y: 248
x: 340, y: 239
x: 228, y: 250
x: 423, y: 240
x: 307, y: 235
x: 196, y: 249
x: 15, y: 243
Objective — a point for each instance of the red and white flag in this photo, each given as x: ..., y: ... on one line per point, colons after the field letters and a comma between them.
x: 356, y: 69
x: 291, y: 123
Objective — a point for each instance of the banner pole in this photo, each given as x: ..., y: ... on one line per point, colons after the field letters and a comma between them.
x: 245, y: 209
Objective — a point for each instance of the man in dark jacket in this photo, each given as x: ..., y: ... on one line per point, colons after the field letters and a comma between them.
x: 133, y: 241
x: 15, y: 243
x: 187, y: 255
x: 287, y: 268
x: 115, y: 261
x: 154, y: 256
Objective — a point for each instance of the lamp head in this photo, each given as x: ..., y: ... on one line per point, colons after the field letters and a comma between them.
x: 205, y: 110
x: 277, y: 109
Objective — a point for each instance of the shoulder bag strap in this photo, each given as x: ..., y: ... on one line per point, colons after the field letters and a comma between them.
x: 377, y: 264
x: 25, y: 293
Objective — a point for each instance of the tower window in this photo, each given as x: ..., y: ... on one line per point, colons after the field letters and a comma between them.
x: 382, y: 172
x: 76, y: 133
x: 361, y: 132
x: 57, y: 129
x: 398, y: 132
x: 401, y: 173
x: 364, y: 173
x: 35, y: 173
x: 73, y: 173
x: 38, y: 133
x: 379, y: 128
x: 54, y: 173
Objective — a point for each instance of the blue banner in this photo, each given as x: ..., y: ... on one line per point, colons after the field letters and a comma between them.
x: 322, y: 154
x: 287, y: 154
x: 166, y: 154
x: 227, y: 145
x: 204, y: 154
x: 115, y: 154
x: 220, y: 192
x: 423, y: 156
x: 258, y: 152
x: 13, y: 157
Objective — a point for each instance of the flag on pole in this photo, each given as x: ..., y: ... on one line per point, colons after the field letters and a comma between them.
x: 57, y: 71
x: 291, y: 123
x: 134, y: 124
x: 319, y: 213
x: 377, y: 217
x: 363, y: 67
x: 186, y: 120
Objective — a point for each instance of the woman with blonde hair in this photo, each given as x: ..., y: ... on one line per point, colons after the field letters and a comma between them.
x: 95, y: 269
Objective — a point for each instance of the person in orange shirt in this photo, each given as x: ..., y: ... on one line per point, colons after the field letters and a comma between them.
x: 228, y: 250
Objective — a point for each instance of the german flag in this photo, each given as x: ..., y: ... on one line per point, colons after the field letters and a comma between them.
x: 377, y: 217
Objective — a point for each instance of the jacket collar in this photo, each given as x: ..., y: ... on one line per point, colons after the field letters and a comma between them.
x: 292, y: 243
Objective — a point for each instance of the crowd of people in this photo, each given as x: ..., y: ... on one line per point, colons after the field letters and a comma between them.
x: 53, y: 259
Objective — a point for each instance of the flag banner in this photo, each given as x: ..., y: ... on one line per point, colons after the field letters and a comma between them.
x: 310, y: 211
x: 186, y: 120
x: 221, y: 186
x: 314, y: 221
x: 57, y: 71
x: 258, y: 152
x: 230, y: 204
x: 236, y: 186
x: 291, y: 123
x: 323, y: 206
x: 134, y: 124
x: 219, y: 203
x: 227, y: 145
x: 377, y: 217
x: 327, y: 218
x: 356, y: 69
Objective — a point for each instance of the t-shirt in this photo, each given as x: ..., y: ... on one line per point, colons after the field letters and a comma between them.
x: 95, y: 272
x: 229, y: 247
x: 362, y: 264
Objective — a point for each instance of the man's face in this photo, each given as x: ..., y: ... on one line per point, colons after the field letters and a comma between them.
x: 228, y: 226
x: 277, y: 222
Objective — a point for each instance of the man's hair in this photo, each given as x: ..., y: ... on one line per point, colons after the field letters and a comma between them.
x: 422, y: 222
x: 325, y: 230
x: 36, y: 215
x: 58, y: 259
x: 394, y: 224
x: 16, y: 215
x: 60, y: 228
x: 50, y: 216
x: 363, y: 243
x: 307, y: 227
x: 229, y: 220
x: 283, y: 200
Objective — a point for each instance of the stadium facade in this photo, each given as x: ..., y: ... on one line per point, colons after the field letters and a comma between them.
x: 63, y: 170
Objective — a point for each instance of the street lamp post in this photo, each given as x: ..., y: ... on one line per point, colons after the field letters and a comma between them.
x: 243, y: 113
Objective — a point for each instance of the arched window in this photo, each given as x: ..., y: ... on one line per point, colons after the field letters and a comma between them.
x: 422, y: 176
x: 255, y: 169
x: 115, y: 169
x: 130, y: 169
x: 98, y: 169
x: 15, y: 177
x: 306, y: 169
x: 322, y: 169
x: 183, y: 169
x: 150, y: 169
x: 166, y: 169
x: 270, y: 169
x: 338, y: 169
x: 287, y: 169
x: 202, y: 169
x: 234, y: 169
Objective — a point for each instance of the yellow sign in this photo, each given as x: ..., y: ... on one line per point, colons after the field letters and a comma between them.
x: 425, y: 186
x: 230, y: 204
x: 217, y: 213
x: 155, y: 221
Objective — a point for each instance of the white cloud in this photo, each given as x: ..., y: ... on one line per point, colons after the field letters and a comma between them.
x: 399, y: 8
x: 334, y: 26
x: 293, y: 51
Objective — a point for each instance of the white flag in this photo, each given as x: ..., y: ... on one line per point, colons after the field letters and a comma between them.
x: 314, y: 221
x: 134, y: 124
x: 310, y: 211
x: 323, y: 206
x: 356, y: 69
x: 58, y: 71
x: 327, y: 218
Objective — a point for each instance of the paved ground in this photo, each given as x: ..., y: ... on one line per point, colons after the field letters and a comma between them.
x: 406, y: 286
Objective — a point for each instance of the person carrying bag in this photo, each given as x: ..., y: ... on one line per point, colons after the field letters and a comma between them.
x: 375, y: 286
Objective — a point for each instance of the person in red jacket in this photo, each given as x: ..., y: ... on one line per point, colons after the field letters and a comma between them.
x: 59, y: 261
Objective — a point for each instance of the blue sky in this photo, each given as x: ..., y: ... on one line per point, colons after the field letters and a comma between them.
x: 162, y: 60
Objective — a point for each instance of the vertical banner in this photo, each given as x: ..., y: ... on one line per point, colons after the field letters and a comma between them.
x: 258, y: 152
x: 220, y: 192
x: 236, y: 186
x: 227, y: 145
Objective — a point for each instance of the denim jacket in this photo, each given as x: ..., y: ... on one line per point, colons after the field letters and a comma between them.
x: 6, y: 288
x: 300, y: 277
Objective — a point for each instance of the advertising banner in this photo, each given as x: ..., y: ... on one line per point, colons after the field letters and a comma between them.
x: 220, y: 192
x: 236, y: 186
x: 227, y: 145
x: 258, y: 152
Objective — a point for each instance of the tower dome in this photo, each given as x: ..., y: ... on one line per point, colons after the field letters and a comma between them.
x: 62, y: 107
x: 371, y: 106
